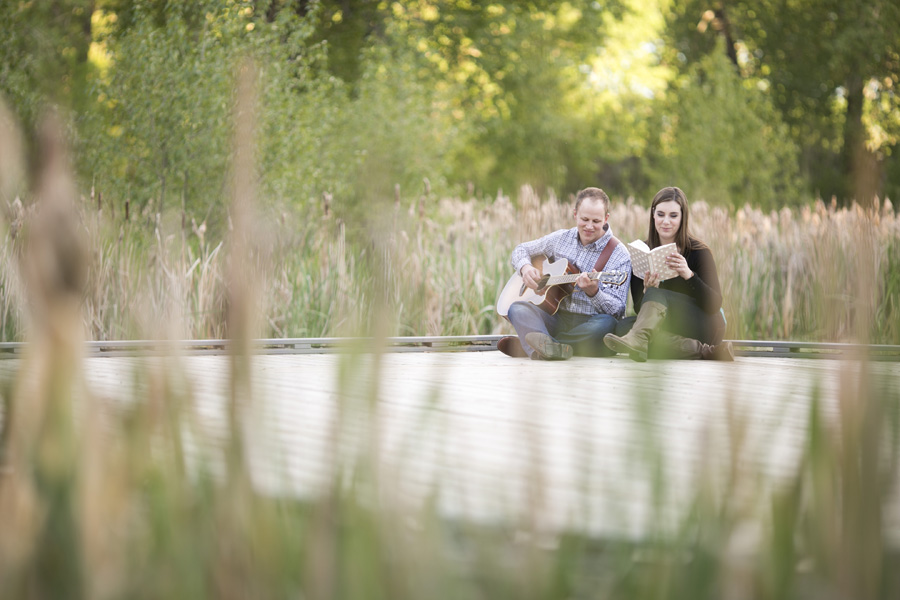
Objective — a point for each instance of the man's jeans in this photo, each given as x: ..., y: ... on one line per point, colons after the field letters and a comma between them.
x: 583, y: 332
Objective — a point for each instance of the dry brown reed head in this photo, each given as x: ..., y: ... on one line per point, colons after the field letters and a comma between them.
x: 233, y: 557
x: 42, y: 449
x: 244, y: 256
x: 54, y: 264
x: 540, y: 217
x: 241, y: 273
x: 861, y: 443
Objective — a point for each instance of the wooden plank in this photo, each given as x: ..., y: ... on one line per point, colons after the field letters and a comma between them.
x: 566, y: 445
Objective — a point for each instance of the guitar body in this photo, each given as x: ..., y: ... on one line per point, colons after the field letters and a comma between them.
x: 547, y: 298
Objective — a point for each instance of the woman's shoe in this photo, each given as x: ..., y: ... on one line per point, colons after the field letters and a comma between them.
x: 675, y: 346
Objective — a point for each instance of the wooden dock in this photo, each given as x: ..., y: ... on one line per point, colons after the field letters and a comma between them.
x: 599, y: 445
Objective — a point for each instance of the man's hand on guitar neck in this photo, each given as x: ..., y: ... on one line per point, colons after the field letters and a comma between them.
x: 587, y: 285
x: 530, y: 276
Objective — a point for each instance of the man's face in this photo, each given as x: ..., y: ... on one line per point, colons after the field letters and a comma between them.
x: 590, y: 218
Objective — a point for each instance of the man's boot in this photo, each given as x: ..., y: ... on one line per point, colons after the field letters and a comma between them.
x: 511, y: 346
x: 675, y: 346
x: 546, y: 348
x: 634, y: 343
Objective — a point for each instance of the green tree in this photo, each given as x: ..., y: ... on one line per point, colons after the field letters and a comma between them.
x: 832, y: 67
x: 721, y: 140
x: 44, y: 56
x: 396, y: 134
x: 509, y: 75
x: 150, y: 88
x: 161, y: 134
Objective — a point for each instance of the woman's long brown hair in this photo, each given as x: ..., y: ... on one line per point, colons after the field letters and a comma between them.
x: 682, y: 236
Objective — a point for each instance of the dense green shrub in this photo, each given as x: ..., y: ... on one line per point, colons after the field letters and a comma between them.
x: 721, y: 140
x: 159, y: 132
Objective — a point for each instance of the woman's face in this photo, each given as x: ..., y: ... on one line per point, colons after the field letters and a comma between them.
x: 667, y: 219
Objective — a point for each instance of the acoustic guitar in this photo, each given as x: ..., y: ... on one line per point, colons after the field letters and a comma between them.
x: 557, y: 281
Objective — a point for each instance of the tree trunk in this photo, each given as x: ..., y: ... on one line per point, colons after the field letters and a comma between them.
x: 726, y: 30
x: 82, y: 42
x: 861, y: 167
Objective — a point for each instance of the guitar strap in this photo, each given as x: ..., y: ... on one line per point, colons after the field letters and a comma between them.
x: 607, y: 252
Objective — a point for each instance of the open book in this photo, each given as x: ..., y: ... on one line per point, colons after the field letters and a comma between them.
x: 644, y: 259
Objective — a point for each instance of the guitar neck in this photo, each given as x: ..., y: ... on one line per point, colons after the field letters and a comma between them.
x: 571, y: 277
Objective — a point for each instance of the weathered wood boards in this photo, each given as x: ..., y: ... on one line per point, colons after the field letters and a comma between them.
x: 605, y: 446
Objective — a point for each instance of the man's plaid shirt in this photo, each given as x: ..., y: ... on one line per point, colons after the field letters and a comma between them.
x: 610, y: 299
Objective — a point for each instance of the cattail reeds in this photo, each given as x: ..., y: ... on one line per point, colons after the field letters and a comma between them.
x: 156, y: 497
x: 42, y: 450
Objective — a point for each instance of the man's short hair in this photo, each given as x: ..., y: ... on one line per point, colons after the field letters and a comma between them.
x: 592, y: 193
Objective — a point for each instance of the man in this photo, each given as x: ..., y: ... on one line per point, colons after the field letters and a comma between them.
x: 591, y: 311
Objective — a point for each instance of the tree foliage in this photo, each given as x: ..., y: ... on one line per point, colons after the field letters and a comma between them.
x: 720, y: 138
x: 44, y: 55
x: 359, y: 97
x: 507, y: 73
x: 832, y: 68
x: 161, y: 130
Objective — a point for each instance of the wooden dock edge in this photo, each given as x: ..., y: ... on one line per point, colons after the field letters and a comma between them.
x: 464, y: 343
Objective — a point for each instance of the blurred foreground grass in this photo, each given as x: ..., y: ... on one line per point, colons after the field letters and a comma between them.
x: 154, y: 495
x: 151, y: 494
x: 122, y: 504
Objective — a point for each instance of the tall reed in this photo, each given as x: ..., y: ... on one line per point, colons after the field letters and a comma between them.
x: 785, y: 275
x: 141, y: 500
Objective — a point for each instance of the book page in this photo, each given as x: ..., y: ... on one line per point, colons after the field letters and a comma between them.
x: 643, y: 259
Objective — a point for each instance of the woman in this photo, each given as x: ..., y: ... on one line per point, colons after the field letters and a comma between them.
x: 679, y: 317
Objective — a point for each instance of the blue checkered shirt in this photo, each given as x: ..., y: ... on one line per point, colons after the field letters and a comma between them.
x: 610, y: 299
